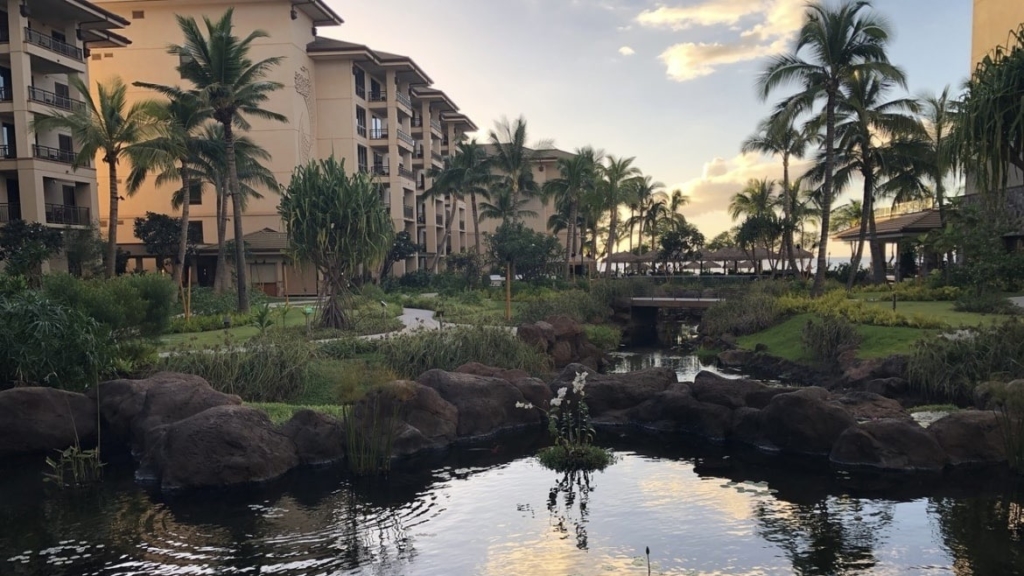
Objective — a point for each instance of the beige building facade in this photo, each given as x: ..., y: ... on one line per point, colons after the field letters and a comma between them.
x: 42, y: 43
x: 375, y: 110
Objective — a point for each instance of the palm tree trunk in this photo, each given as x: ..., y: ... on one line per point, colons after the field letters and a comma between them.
x: 447, y: 233
x: 112, y: 227
x: 877, y: 250
x: 220, y: 277
x: 865, y: 214
x: 476, y: 221
x: 787, y: 213
x: 612, y: 223
x: 183, y: 241
x: 826, y: 192
x: 241, y: 284
x: 571, y: 240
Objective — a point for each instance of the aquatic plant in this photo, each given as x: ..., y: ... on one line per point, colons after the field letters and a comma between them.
x: 569, y: 424
x: 74, y: 467
x: 370, y: 433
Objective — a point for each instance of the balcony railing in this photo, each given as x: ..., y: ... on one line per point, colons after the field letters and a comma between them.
x: 408, y: 211
x: 418, y: 153
x: 361, y: 92
x: 381, y: 170
x: 54, y: 99
x: 378, y: 96
x: 55, y: 154
x: 378, y: 133
x: 5, y: 94
x: 5, y: 35
x: 364, y: 168
x: 421, y: 218
x: 7, y: 152
x: 48, y: 42
x: 435, y: 125
x: 439, y: 219
x: 10, y: 212
x: 406, y: 138
x: 361, y: 130
x: 435, y: 155
x: 421, y: 185
x: 403, y: 98
x: 68, y: 215
x: 406, y: 173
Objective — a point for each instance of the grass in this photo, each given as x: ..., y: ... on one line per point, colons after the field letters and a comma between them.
x: 941, y: 310
x: 934, y: 408
x: 784, y: 340
x: 281, y: 413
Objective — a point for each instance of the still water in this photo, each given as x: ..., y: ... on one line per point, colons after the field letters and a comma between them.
x: 493, y: 510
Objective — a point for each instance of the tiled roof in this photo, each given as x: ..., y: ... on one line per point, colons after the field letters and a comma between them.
x: 899, y: 227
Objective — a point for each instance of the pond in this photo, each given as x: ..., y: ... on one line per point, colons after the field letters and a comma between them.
x: 492, y: 510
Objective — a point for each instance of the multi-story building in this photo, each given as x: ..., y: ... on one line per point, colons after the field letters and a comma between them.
x: 375, y: 110
x: 42, y: 43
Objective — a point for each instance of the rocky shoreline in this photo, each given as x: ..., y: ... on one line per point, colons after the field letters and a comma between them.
x: 185, y: 435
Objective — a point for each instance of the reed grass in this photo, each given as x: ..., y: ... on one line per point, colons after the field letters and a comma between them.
x: 410, y: 355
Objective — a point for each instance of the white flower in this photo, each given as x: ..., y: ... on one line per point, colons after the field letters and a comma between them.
x: 556, y: 402
x: 525, y: 405
x: 562, y: 391
x: 579, y: 382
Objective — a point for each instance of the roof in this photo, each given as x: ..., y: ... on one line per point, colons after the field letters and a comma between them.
x: 319, y: 12
x: 539, y: 154
x: 331, y: 46
x: 912, y: 224
x: 433, y: 94
x: 460, y: 119
x: 265, y: 240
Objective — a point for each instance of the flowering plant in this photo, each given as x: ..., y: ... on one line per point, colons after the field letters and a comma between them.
x: 569, y: 423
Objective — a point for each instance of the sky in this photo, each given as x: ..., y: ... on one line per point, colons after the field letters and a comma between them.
x: 668, y: 82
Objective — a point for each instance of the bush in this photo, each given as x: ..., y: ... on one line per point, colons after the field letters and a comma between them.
x: 129, y: 306
x: 410, y: 355
x: 344, y: 381
x: 207, y: 302
x: 606, y: 338
x: 985, y: 304
x: 562, y: 458
x: 416, y: 279
x: 266, y: 368
x: 578, y: 305
x: 207, y: 322
x: 50, y: 344
x: 346, y: 348
x: 743, y: 314
x: 948, y: 368
x: 827, y: 339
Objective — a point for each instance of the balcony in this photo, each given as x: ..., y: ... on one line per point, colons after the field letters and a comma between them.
x: 378, y: 96
x: 5, y: 34
x: 416, y: 122
x: 364, y: 168
x: 408, y: 211
x: 361, y: 130
x: 421, y: 218
x: 406, y: 138
x: 10, y: 212
x: 44, y: 41
x: 378, y: 133
x: 5, y: 94
x: 361, y: 92
x: 67, y: 215
x: 404, y: 99
x: 53, y: 99
x: 381, y: 170
x: 462, y: 225
x: 406, y: 173
x: 436, y: 126
x: 439, y: 219
x: 436, y: 155
x: 7, y: 152
x: 54, y: 154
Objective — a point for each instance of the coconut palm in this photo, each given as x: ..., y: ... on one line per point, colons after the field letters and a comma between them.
x: 846, y: 216
x: 109, y: 126
x: 833, y: 45
x: 756, y: 199
x: 656, y: 215
x: 777, y: 135
x: 513, y: 159
x: 467, y: 172
x: 217, y: 63
x: 614, y: 190
x: 642, y: 193
x: 577, y: 175
x: 502, y: 206
x: 173, y: 154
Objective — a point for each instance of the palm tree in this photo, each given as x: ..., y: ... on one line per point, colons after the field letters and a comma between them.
x: 474, y: 191
x: 234, y: 87
x: 618, y: 176
x: 655, y: 217
x: 641, y: 198
x: 841, y: 43
x: 939, y: 116
x: 756, y: 199
x: 174, y: 153
x: 107, y: 125
x: 465, y: 172
x: 503, y: 207
x: 846, y: 216
x: 578, y: 174
x: 513, y: 158
x: 777, y: 135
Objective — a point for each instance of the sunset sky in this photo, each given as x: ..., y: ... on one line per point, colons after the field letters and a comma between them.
x: 671, y: 83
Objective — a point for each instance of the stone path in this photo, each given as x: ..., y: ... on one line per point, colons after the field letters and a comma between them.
x: 414, y: 319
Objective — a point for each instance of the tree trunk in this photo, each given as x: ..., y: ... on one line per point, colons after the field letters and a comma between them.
x: 826, y: 194
x: 508, y: 291
x: 612, y: 223
x: 476, y: 221
x: 866, y: 208
x: 183, y: 241
x: 877, y: 250
x: 220, y: 277
x: 112, y: 227
x: 241, y: 284
x: 940, y: 196
x: 787, y: 213
x: 447, y: 233
x: 571, y: 239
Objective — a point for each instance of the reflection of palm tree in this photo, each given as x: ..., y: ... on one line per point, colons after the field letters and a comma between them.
x: 980, y: 531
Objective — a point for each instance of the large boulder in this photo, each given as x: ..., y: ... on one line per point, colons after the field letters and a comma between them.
x: 746, y: 429
x: 970, y: 437
x: 318, y: 438
x: 892, y: 445
x: 894, y: 387
x: 735, y: 358
x: 485, y: 405
x: 676, y: 410
x: 535, y: 391
x: 413, y: 417
x: 871, y: 406
x: 562, y: 353
x: 478, y: 369
x: 533, y: 335
x: 41, y: 419
x: 131, y: 408
x: 729, y: 392
x: 564, y: 327
x: 803, y: 422
x: 610, y: 394
x: 760, y: 398
x: 223, y: 446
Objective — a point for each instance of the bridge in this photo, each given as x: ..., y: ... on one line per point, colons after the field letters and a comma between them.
x: 677, y: 303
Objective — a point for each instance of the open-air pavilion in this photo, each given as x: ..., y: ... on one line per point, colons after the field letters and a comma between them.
x: 895, y: 230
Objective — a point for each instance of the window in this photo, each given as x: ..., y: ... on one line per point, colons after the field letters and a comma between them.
x: 360, y: 81
x: 375, y: 90
x: 183, y: 60
x: 361, y: 121
x: 7, y: 141
x: 138, y: 14
x: 68, y: 195
x: 195, y: 193
x: 195, y: 232
x: 361, y: 158
x: 58, y: 36
x: 65, y: 143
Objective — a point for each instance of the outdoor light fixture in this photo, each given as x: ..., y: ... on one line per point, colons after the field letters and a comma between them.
x: 25, y: 12
x: 294, y: 13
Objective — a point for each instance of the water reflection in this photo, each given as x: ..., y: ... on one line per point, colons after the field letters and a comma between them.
x: 570, y: 511
x: 686, y: 365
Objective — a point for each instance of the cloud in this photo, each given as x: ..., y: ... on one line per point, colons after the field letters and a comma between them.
x: 626, y: 51
x: 757, y: 29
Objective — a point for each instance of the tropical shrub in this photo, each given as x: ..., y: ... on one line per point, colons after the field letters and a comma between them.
x: 129, y: 306
x: 987, y: 303
x: 207, y: 322
x: 606, y: 338
x: 410, y: 355
x: 578, y: 305
x: 743, y: 314
x: 570, y: 427
x: 205, y: 301
x: 828, y: 338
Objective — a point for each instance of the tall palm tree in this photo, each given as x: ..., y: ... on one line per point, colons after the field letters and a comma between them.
x: 756, y: 199
x: 109, y: 126
x: 464, y: 173
x: 656, y: 215
x: 513, y: 158
x: 777, y: 135
x: 618, y: 178
x: 839, y: 43
x: 577, y: 175
x: 502, y: 206
x: 479, y: 155
x: 938, y: 113
x: 234, y: 87
x: 642, y: 193
x: 846, y: 216
x: 173, y: 154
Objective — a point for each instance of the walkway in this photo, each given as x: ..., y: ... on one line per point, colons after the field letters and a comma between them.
x: 1018, y: 300
x: 414, y: 319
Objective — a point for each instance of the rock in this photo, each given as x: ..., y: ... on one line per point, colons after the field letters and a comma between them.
x: 970, y: 437
x: 607, y: 393
x: 746, y: 428
x: 484, y: 405
x: 532, y: 335
x: 564, y: 327
x: 729, y: 392
x: 131, y: 408
x: 676, y: 411
x: 38, y: 419
x: 893, y: 445
x: 760, y: 398
x: 889, y: 387
x: 803, y: 422
x: 318, y: 438
x: 760, y: 347
x: 562, y: 354
x: 478, y: 369
x: 870, y: 406
x: 876, y: 368
x: 735, y: 358
x: 223, y: 446
x: 418, y: 417
x: 535, y: 391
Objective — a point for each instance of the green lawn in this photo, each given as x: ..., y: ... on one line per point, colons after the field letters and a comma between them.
x: 784, y: 340
x: 236, y: 334
x: 941, y: 310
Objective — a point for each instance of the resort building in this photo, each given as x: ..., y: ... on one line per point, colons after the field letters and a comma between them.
x: 375, y: 110
x: 42, y: 42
